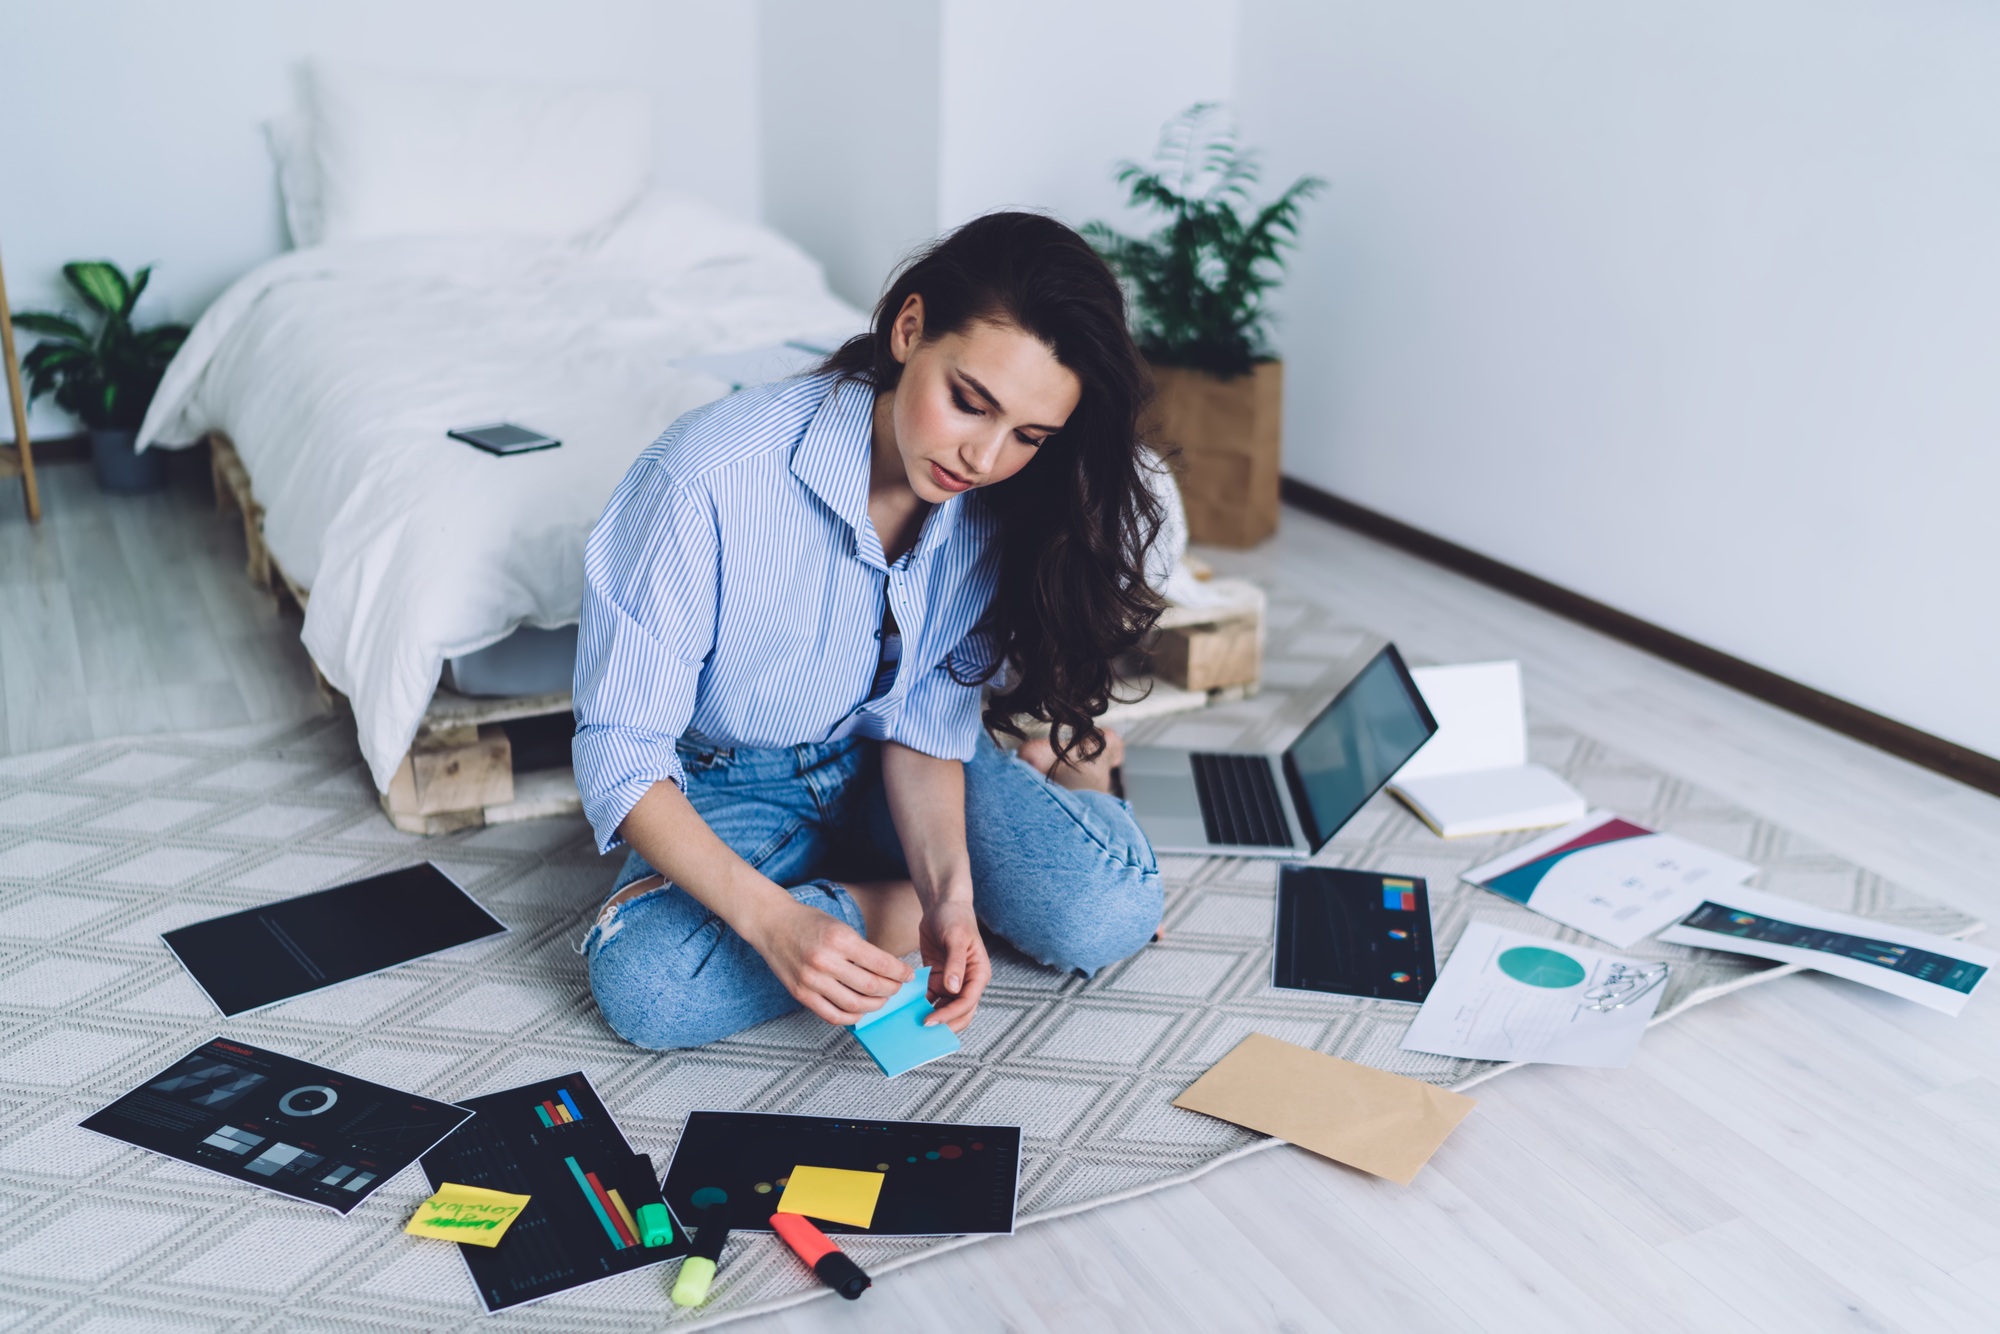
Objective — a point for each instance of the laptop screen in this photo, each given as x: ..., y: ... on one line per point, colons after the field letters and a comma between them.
x: 1356, y: 745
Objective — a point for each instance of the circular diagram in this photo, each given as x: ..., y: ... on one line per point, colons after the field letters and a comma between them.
x: 1538, y: 967
x: 308, y: 1101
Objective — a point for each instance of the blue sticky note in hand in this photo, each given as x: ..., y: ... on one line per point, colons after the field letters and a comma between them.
x: 896, y: 1035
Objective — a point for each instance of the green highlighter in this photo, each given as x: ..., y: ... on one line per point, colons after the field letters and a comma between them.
x: 656, y: 1226
x: 698, y: 1270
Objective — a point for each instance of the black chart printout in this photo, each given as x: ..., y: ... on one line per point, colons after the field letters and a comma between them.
x: 554, y: 1142
x: 246, y: 960
x: 939, y: 1178
x: 1353, y: 933
x: 284, y: 1124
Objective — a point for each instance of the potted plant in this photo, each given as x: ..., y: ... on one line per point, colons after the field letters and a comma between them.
x: 106, y: 377
x: 1197, y: 288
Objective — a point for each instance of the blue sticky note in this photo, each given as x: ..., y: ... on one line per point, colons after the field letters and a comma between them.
x: 896, y: 1035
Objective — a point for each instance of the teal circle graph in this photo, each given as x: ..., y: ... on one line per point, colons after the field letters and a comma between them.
x: 1541, y: 968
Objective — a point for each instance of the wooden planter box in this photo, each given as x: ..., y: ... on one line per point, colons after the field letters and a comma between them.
x: 1227, y: 432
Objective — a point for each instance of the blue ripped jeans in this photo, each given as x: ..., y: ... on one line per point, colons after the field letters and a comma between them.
x: 1066, y: 876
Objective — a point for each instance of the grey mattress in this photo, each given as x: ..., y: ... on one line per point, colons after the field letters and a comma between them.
x: 531, y: 661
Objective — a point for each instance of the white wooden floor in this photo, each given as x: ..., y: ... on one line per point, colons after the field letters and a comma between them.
x: 127, y: 614
x: 1805, y: 1156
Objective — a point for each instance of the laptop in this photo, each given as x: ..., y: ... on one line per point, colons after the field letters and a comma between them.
x: 1244, y: 805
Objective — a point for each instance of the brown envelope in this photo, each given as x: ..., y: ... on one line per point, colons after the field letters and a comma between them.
x: 1367, y: 1118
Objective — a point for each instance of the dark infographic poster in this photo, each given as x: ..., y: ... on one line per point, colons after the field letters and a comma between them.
x: 939, y: 1179
x: 555, y: 1143
x: 1940, y: 970
x: 247, y: 960
x: 1353, y: 933
x: 284, y: 1124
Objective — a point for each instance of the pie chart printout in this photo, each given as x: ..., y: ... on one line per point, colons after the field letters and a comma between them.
x: 1509, y: 996
x: 1539, y: 967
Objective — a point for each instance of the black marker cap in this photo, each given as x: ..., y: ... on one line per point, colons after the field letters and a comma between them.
x: 710, y: 1239
x: 842, y: 1275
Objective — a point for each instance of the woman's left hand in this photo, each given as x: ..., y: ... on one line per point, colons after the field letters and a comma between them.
x: 950, y: 942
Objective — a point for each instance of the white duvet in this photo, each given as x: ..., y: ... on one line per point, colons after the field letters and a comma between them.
x: 337, y: 371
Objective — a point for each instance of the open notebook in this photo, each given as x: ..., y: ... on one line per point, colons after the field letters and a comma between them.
x: 1473, y: 775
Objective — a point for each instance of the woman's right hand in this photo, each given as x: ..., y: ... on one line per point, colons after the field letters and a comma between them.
x: 827, y: 966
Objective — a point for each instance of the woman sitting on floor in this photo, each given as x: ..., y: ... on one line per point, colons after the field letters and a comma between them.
x: 792, y: 603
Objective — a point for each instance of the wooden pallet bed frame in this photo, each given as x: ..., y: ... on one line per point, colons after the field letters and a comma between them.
x: 459, y: 773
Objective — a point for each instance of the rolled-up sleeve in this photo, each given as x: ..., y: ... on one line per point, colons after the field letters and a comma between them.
x: 941, y: 714
x: 649, y: 606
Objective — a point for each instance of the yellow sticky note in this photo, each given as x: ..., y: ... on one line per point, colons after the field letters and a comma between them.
x: 832, y: 1194
x: 471, y: 1214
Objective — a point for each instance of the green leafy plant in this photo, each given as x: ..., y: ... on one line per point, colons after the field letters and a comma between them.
x: 108, y: 376
x: 1197, y: 285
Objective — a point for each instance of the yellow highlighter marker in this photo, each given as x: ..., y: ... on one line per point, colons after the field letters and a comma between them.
x: 698, y: 1270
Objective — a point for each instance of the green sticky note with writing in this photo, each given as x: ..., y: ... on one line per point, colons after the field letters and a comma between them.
x: 471, y: 1214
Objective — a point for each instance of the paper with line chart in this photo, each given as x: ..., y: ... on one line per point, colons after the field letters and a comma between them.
x: 1509, y: 996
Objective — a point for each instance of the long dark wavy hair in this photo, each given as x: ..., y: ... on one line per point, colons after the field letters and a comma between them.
x: 1075, y: 523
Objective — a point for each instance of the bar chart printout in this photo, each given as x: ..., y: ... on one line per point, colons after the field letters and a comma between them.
x: 554, y: 1142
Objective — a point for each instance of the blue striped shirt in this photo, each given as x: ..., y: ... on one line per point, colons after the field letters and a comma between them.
x: 734, y: 589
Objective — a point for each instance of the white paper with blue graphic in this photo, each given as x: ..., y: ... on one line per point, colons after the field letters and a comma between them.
x: 1508, y: 996
x: 1617, y: 880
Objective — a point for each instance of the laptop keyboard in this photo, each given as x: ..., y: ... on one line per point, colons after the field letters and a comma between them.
x: 1239, y: 801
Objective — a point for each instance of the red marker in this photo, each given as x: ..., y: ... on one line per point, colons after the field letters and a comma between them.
x: 821, y: 1255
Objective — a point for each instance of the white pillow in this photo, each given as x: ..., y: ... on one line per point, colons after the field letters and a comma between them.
x: 666, y: 235
x: 406, y: 155
x: 290, y: 138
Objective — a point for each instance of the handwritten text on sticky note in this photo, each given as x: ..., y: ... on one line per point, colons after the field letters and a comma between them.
x: 471, y: 1214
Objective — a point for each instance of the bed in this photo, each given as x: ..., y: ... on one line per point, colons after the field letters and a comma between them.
x: 441, y: 585
x: 327, y: 377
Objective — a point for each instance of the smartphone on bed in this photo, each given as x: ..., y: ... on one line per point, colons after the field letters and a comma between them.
x: 504, y: 438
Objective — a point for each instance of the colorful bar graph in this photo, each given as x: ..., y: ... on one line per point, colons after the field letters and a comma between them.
x: 631, y: 1237
x: 543, y: 1112
x: 554, y: 1113
x: 596, y: 1204
x: 1399, y: 895
x: 569, y: 1103
x: 625, y: 1214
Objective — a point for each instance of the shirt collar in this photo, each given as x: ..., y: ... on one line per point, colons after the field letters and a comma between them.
x: 832, y: 459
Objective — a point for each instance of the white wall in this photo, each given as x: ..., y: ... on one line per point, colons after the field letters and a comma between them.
x: 1042, y: 97
x: 850, y: 132
x: 1693, y: 308
x: 130, y: 129
x: 886, y: 122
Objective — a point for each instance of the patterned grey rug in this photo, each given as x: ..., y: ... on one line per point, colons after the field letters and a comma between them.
x: 105, y: 845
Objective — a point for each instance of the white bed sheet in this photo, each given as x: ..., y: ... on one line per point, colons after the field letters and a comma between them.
x: 338, y: 369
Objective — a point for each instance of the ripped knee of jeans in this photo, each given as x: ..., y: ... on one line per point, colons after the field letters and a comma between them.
x: 608, y: 921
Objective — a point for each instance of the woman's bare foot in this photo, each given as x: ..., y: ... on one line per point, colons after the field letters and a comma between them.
x: 1076, y: 774
x: 890, y: 910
